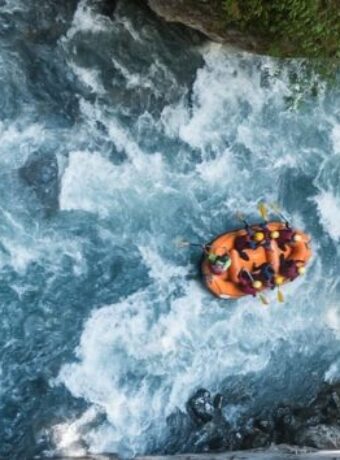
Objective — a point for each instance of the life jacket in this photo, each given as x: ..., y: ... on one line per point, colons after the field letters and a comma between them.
x: 286, y: 237
x: 246, y: 284
x: 289, y: 268
x: 248, y: 241
x: 265, y: 230
x: 244, y: 242
x: 266, y: 275
x: 266, y: 233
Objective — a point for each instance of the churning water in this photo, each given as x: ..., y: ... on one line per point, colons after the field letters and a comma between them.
x: 119, y: 133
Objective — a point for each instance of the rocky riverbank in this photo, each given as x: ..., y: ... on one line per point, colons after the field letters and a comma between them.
x: 208, y: 17
x: 315, y: 425
x: 285, y: 29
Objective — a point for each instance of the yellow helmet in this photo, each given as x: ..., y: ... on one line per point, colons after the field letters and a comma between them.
x: 274, y: 235
x: 259, y: 236
x: 297, y: 238
x: 257, y: 284
x: 279, y: 279
x: 301, y: 270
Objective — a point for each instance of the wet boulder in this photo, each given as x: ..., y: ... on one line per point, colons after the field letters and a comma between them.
x: 180, y: 428
x: 259, y: 438
x: 287, y: 421
x: 107, y: 7
x: 206, y: 16
x: 326, y: 406
x: 200, y: 407
x: 319, y: 436
x: 206, y: 411
x: 255, y: 433
x: 213, y: 436
x: 41, y: 173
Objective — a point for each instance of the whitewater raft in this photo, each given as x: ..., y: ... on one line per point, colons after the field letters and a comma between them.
x: 226, y: 285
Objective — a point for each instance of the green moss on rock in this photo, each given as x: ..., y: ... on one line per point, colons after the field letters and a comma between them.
x: 289, y: 28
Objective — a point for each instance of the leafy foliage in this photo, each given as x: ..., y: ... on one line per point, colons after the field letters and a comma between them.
x: 289, y: 28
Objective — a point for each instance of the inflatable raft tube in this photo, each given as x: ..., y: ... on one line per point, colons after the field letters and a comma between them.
x: 226, y: 285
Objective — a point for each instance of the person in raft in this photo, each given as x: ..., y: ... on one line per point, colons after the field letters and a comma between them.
x: 291, y: 269
x: 256, y: 236
x: 247, y: 284
x: 265, y: 273
x: 218, y: 264
x: 285, y: 236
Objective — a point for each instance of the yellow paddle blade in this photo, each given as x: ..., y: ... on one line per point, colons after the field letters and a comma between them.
x: 280, y: 296
x: 263, y: 211
x: 263, y: 299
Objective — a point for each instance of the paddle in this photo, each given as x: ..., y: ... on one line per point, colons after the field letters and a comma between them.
x: 262, y: 208
x: 185, y: 243
x: 280, y: 296
x: 263, y: 299
x: 278, y: 281
x: 276, y: 209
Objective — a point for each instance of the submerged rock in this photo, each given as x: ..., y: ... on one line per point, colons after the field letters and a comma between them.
x: 41, y: 173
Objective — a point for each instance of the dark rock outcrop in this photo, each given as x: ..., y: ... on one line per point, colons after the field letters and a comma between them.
x: 319, y: 436
x: 206, y: 16
x: 276, y: 28
x: 213, y: 430
x: 201, y: 407
x: 316, y: 425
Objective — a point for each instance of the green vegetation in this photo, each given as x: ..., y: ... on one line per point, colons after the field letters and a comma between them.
x: 289, y: 28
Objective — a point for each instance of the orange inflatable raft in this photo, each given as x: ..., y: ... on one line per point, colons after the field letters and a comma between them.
x: 225, y: 285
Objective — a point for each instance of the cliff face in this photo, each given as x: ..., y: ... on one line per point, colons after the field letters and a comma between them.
x: 208, y: 17
x: 298, y: 28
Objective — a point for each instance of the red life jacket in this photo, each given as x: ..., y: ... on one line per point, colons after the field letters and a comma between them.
x: 246, y: 284
x: 289, y: 269
x: 242, y: 242
x: 286, y: 237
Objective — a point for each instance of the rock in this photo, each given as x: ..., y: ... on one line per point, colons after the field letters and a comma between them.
x: 218, y: 402
x: 40, y: 172
x: 201, y: 407
x: 212, y: 437
x: 319, y: 436
x: 213, y: 433
x: 256, y: 433
x: 105, y: 7
x: 206, y: 16
x: 317, y: 425
x: 283, y: 417
x: 281, y: 29
x: 326, y: 405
